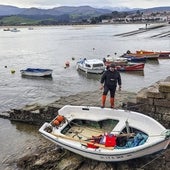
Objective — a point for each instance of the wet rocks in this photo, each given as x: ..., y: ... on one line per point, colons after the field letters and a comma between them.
x: 38, y: 114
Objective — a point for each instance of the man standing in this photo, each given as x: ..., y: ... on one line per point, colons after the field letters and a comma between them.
x: 109, y: 81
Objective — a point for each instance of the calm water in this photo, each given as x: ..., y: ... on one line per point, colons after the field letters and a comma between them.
x: 51, y: 47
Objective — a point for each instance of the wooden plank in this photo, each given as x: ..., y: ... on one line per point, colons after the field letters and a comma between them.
x: 101, y: 131
x: 83, y: 132
x: 82, y: 141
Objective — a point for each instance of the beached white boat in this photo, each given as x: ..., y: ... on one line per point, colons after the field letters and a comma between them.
x: 106, y: 134
x: 36, y: 72
x: 95, y: 66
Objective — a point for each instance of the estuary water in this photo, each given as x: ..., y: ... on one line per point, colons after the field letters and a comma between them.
x: 51, y: 47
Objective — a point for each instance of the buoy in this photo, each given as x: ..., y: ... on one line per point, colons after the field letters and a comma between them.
x: 12, y: 71
x: 67, y: 64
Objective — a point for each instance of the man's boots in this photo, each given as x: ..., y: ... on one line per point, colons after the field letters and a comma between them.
x: 103, y: 101
x: 111, y: 102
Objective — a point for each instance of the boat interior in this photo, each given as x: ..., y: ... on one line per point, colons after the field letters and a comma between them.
x: 86, y: 130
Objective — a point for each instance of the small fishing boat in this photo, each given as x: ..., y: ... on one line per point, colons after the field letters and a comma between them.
x: 117, y: 61
x: 134, y: 59
x: 130, y: 66
x: 123, y: 60
x: 106, y: 134
x: 127, y: 66
x: 36, y: 72
x: 162, y: 54
x: 14, y: 30
x: 6, y: 29
x: 95, y: 66
x: 143, y: 54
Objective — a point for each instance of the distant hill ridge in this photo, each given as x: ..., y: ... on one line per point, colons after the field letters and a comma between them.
x: 6, y: 10
x: 83, y: 10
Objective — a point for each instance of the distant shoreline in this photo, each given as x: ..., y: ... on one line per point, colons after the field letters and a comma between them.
x: 27, y: 26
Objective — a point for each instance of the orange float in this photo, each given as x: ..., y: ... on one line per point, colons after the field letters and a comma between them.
x: 60, y: 118
x: 56, y: 122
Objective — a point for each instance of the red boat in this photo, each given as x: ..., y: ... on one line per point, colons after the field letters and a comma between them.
x: 128, y: 66
x: 164, y: 55
x: 131, y: 67
x: 161, y: 54
x: 144, y: 54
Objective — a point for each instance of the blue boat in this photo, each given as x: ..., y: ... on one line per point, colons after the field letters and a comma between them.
x: 134, y: 59
x: 36, y: 72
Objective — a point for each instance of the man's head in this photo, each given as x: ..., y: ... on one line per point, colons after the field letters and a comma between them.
x: 112, y: 67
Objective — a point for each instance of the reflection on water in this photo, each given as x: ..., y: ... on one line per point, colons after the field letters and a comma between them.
x: 16, y: 137
x: 26, y: 128
x: 37, y: 78
x: 89, y: 75
x: 134, y: 73
x: 154, y: 61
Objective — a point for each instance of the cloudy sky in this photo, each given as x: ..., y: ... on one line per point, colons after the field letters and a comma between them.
x: 93, y: 3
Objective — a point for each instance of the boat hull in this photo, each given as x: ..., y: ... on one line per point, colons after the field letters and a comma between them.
x: 131, y: 67
x: 164, y: 55
x: 143, y: 54
x: 93, y: 66
x: 147, y: 56
x: 92, y: 71
x: 134, y: 59
x: 36, y: 72
x: 161, y: 54
x: 111, y: 156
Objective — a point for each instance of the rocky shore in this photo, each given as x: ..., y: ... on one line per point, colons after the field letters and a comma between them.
x: 45, y: 155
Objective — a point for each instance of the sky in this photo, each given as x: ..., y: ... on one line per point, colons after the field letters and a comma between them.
x: 47, y: 4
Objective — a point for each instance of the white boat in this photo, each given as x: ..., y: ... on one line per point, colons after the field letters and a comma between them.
x: 36, y: 72
x: 95, y: 66
x: 15, y: 30
x: 30, y: 28
x: 106, y: 134
x: 6, y: 29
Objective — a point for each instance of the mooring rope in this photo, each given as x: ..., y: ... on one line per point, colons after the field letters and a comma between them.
x: 152, y: 160
x: 133, y: 106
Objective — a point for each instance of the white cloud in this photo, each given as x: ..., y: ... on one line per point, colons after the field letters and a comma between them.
x: 94, y: 3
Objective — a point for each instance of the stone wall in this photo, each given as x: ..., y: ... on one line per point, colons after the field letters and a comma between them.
x: 155, y: 101
x: 38, y: 114
x: 34, y: 114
